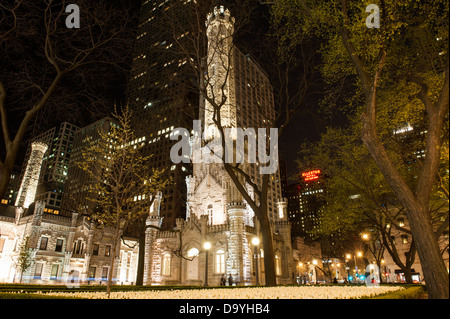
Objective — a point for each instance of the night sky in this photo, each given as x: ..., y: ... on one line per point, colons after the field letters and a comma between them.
x: 307, y: 123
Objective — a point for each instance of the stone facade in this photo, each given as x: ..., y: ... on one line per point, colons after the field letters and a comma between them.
x: 63, y: 249
x: 77, y: 251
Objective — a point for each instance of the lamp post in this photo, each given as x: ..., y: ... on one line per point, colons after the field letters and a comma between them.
x: 206, y: 246
x: 314, y: 262
x: 255, y: 242
x: 359, y: 254
x: 300, y: 276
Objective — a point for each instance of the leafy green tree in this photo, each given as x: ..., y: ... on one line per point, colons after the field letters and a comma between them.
x: 400, y: 66
x: 120, y: 183
x: 44, y: 65
x: 358, y: 199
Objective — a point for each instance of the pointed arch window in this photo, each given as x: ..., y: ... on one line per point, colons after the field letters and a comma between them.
x: 220, y: 261
x: 166, y: 264
x: 277, y: 265
x: 210, y: 213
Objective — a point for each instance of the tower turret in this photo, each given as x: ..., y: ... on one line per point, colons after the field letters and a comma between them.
x: 219, y: 75
x: 29, y: 184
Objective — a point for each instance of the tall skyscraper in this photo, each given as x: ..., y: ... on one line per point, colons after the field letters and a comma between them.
x: 305, y: 201
x: 76, y: 191
x: 55, y: 165
x: 158, y: 95
x: 27, y: 190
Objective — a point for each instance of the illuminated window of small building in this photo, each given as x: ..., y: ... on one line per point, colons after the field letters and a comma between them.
x: 2, y: 242
x: 95, y: 249
x: 404, y: 239
x: 105, y: 273
x: 165, y: 267
x: 107, y: 251
x: 193, y: 252
x: 220, y: 261
x: 54, y: 273
x: 277, y: 265
x: 91, y: 275
x: 43, y: 245
x: 210, y: 214
x: 38, y: 270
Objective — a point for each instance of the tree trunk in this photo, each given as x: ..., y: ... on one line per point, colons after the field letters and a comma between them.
x: 141, y: 256
x: 433, y: 266
x: 113, y: 257
x: 5, y: 175
x: 408, y: 275
x: 269, y: 256
x: 380, y: 271
x: 12, y: 146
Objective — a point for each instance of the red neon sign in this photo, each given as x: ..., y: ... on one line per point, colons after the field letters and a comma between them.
x: 311, y: 175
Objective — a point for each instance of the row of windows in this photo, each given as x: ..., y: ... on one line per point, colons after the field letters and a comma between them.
x: 56, y: 267
x: 78, y: 247
x: 219, y: 261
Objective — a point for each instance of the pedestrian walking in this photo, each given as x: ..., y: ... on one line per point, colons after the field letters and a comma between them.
x: 230, y: 280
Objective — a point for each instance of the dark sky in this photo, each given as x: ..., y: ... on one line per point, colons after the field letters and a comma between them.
x: 306, y: 124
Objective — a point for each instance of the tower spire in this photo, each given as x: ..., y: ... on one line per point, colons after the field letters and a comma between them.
x: 219, y: 75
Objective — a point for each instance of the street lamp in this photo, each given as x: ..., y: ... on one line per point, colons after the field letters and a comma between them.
x: 347, y: 258
x: 255, y: 242
x: 300, y: 265
x: 206, y: 246
x: 359, y: 254
x: 365, y: 236
x: 314, y: 262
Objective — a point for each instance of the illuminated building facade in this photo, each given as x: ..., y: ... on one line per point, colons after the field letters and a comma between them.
x: 28, y: 187
x: 76, y: 191
x: 55, y: 164
x: 11, y: 193
x: 305, y: 200
x: 216, y: 213
x: 159, y: 97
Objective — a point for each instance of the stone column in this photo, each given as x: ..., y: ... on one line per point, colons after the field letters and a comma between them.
x: 27, y: 190
x: 153, y: 220
x: 235, y: 260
